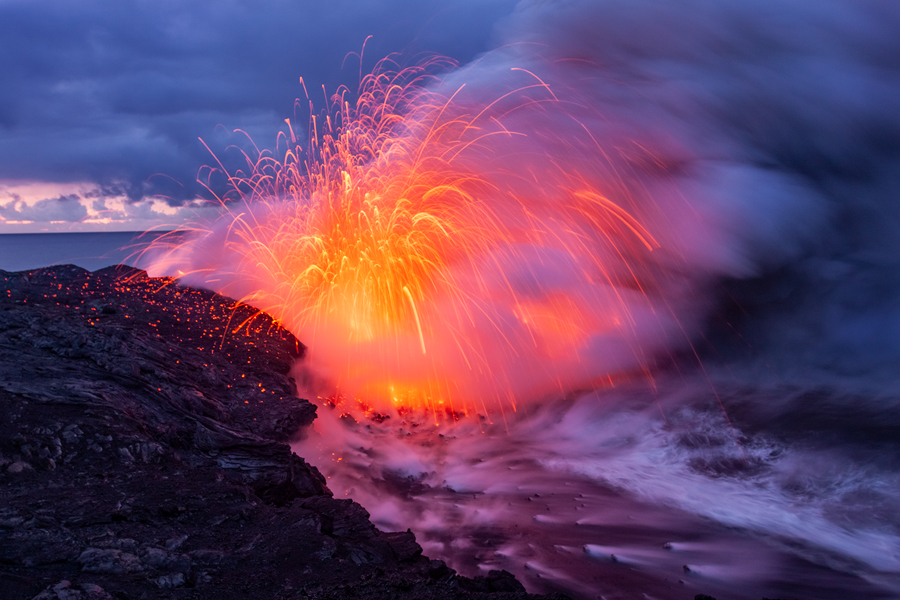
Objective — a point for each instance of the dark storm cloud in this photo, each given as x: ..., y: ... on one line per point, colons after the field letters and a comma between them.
x: 116, y: 92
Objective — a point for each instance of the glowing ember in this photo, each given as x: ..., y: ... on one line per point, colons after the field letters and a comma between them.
x: 430, y: 249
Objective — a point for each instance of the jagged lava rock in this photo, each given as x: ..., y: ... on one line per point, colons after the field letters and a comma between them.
x: 143, y: 454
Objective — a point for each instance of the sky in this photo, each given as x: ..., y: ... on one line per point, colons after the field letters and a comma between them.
x: 103, y: 101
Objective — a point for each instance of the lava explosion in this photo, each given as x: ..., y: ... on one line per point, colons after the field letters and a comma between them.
x: 560, y: 213
x: 409, y: 243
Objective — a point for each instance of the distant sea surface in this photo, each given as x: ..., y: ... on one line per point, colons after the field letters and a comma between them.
x: 92, y: 251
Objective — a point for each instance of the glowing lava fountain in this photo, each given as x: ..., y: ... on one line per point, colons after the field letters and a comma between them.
x: 437, y: 250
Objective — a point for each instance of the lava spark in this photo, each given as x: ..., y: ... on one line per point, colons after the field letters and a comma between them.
x: 426, y: 246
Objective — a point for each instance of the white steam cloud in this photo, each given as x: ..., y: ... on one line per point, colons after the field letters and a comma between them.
x: 759, y: 144
x: 743, y: 137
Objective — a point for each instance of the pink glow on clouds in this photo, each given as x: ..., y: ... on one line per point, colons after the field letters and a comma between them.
x: 37, y: 207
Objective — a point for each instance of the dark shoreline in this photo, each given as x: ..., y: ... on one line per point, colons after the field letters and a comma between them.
x: 144, y: 455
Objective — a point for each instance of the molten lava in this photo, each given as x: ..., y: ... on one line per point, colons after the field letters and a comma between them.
x: 433, y: 249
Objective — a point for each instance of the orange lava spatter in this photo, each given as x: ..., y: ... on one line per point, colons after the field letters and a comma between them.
x: 406, y: 241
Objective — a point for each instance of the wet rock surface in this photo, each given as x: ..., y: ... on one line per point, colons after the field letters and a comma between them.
x: 143, y: 454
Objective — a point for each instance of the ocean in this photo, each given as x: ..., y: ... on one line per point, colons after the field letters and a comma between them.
x: 772, y: 474
x: 92, y: 251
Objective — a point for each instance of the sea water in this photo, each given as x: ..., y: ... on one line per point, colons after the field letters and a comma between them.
x: 92, y: 251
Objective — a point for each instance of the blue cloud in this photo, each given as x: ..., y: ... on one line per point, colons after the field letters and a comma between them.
x: 64, y: 208
x: 114, y: 93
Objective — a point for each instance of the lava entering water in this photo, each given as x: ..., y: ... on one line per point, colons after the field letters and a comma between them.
x: 437, y: 250
x: 557, y: 214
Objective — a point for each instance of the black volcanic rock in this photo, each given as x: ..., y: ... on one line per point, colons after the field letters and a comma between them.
x: 143, y: 454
